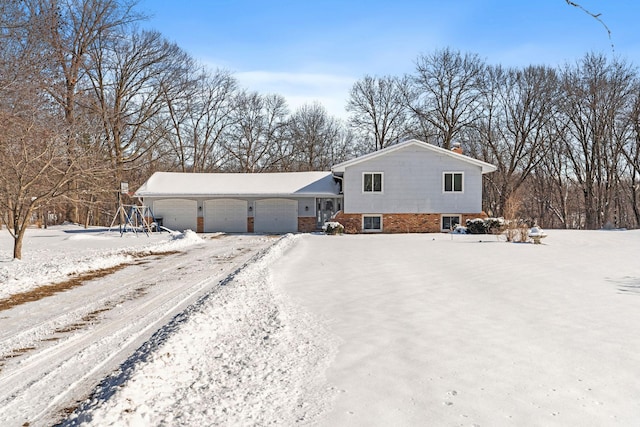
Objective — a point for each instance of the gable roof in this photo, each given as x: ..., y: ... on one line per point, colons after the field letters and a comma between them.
x: 486, y: 167
x: 304, y: 184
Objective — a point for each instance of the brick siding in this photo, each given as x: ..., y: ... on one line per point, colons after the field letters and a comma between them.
x: 307, y: 224
x: 401, y: 223
x: 411, y: 223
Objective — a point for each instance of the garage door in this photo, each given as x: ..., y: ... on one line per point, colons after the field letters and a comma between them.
x: 275, y: 216
x: 177, y: 214
x: 228, y: 215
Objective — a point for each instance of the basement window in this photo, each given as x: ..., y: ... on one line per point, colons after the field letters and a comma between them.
x: 372, y: 223
x: 449, y: 222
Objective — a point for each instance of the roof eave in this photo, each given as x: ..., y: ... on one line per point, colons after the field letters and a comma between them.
x: 226, y: 195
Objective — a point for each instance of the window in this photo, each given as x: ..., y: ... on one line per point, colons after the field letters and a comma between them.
x: 372, y: 223
x: 449, y: 222
x: 372, y: 182
x: 453, y: 182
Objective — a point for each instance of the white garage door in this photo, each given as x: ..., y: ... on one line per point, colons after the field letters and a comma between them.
x: 177, y: 214
x: 276, y: 216
x: 228, y: 215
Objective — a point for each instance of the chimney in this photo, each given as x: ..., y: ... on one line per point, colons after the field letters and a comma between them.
x: 457, y: 148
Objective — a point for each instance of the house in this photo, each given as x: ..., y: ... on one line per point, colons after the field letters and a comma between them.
x: 408, y: 187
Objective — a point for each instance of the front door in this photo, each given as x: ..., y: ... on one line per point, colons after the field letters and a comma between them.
x: 325, y: 208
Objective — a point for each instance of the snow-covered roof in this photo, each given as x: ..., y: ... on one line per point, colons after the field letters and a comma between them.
x: 486, y: 167
x: 306, y: 184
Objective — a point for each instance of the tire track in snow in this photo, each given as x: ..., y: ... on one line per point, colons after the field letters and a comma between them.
x: 74, y: 365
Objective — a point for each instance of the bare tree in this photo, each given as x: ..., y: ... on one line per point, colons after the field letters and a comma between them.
x: 72, y: 27
x: 632, y: 154
x: 597, y: 95
x: 448, y: 85
x: 35, y: 164
x: 315, y: 138
x: 35, y: 168
x: 131, y: 79
x: 517, y: 127
x: 257, y: 138
x: 378, y: 110
x: 199, y: 117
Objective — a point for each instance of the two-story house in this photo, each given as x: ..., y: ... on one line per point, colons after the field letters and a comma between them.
x: 410, y: 187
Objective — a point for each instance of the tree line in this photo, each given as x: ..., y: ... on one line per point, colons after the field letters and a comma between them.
x: 565, y: 140
x: 89, y: 100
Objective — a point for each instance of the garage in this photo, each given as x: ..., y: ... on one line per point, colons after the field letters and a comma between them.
x: 226, y: 215
x: 276, y: 216
x: 177, y: 214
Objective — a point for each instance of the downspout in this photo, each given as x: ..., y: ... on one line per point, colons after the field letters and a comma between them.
x: 341, y: 178
x: 341, y: 183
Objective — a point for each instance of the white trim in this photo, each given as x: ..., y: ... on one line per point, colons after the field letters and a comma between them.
x: 453, y: 191
x: 372, y: 182
x: 372, y: 230
x: 442, y: 216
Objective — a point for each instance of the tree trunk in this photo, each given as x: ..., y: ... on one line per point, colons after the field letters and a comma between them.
x: 634, y: 203
x: 17, y: 243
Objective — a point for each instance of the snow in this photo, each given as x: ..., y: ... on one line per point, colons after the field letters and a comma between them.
x: 469, y: 330
x: 238, y: 357
x: 416, y: 329
x: 536, y: 232
x: 53, y: 254
x: 308, y: 184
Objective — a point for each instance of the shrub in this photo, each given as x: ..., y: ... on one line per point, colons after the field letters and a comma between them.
x: 494, y: 225
x: 476, y: 226
x: 333, y: 227
x: 459, y: 229
x: 485, y: 225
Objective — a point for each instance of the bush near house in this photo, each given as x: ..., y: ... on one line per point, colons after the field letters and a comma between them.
x: 485, y: 225
x: 333, y: 227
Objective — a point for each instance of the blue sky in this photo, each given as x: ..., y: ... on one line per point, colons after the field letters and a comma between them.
x: 315, y: 50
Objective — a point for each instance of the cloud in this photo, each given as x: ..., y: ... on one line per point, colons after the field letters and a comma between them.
x: 331, y: 90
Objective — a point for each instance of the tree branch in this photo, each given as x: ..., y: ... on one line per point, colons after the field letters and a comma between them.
x: 595, y: 16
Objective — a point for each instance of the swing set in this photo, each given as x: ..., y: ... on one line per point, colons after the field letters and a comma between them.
x: 134, y: 218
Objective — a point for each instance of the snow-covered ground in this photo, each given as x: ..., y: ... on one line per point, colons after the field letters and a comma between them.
x: 52, y: 255
x: 463, y: 330
x: 55, y: 350
x: 421, y: 329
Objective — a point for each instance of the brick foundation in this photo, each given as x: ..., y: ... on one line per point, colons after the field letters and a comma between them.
x: 352, y: 223
x: 465, y: 217
x: 400, y: 223
x: 200, y: 225
x: 411, y: 223
x: 249, y: 224
x: 307, y: 224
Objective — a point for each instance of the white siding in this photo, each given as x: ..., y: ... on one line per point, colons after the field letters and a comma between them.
x: 177, y: 214
x: 304, y: 203
x: 413, y: 184
x: 227, y: 215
